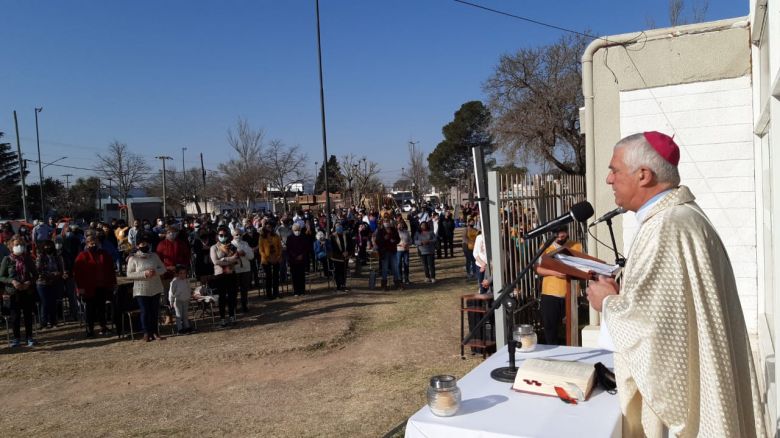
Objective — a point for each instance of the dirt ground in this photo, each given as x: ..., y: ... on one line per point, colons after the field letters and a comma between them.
x: 326, y: 364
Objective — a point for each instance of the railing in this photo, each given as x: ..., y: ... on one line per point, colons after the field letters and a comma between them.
x: 522, y: 203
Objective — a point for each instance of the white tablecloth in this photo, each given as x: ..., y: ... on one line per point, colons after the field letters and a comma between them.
x: 491, y: 409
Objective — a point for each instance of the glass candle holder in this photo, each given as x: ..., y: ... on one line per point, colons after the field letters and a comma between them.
x: 443, y: 396
x: 526, y: 337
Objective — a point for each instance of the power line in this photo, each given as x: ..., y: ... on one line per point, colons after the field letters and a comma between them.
x: 529, y: 20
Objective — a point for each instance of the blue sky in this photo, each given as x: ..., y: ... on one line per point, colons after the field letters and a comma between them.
x: 160, y: 76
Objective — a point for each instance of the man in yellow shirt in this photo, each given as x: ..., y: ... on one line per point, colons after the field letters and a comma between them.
x: 554, y: 287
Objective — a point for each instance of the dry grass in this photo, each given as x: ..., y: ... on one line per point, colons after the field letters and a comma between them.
x: 325, y: 364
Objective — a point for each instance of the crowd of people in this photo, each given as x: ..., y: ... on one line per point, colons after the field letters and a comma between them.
x: 60, y: 270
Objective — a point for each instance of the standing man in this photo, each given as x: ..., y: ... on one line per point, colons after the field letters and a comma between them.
x: 341, y: 248
x: 554, y: 288
x: 682, y: 354
x: 447, y: 234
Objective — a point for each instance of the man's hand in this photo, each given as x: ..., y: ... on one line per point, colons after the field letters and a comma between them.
x: 600, y: 289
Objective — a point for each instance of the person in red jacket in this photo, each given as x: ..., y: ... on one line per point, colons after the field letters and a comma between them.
x: 95, y: 279
x: 172, y: 251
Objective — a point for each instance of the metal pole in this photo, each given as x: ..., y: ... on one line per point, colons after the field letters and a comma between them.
x: 203, y: 174
x: 40, y: 169
x: 322, y: 112
x: 21, y: 168
x: 165, y: 202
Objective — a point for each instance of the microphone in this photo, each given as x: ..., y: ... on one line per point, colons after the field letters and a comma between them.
x: 608, y: 215
x: 580, y: 212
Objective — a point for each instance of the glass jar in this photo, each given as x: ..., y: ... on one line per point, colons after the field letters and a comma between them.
x: 526, y: 337
x: 444, y: 396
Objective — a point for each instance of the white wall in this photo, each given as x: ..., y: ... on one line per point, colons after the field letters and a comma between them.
x: 712, y: 123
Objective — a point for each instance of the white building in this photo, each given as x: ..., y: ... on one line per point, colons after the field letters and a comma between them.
x: 714, y: 86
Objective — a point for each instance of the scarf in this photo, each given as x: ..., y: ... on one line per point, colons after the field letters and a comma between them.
x: 20, y: 268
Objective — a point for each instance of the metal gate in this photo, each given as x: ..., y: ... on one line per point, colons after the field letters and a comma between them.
x: 523, y: 202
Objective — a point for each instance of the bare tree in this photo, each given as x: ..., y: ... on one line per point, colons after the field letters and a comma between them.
x: 535, y: 96
x: 180, y: 189
x: 284, y: 167
x: 675, y: 12
x: 243, y: 177
x: 363, y: 174
x: 125, y: 168
x: 417, y: 172
x: 699, y: 10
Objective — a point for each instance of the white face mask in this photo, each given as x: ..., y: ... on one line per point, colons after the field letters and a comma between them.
x: 18, y: 249
x: 297, y: 233
x: 58, y: 246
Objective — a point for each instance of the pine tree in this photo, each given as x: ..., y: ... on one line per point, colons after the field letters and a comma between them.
x: 10, y: 191
x: 335, y: 177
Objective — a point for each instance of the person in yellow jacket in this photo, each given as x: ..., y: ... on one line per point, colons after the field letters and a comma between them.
x: 270, y: 257
x: 554, y: 287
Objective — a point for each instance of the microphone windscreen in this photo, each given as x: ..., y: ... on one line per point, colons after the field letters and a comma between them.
x: 582, y: 211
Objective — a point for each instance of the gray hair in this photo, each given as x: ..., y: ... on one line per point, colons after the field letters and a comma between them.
x: 641, y: 154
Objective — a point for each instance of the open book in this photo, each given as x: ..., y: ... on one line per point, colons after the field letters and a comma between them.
x: 542, y: 376
x: 588, y: 265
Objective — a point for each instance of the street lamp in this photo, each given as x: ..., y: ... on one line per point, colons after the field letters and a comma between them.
x: 40, y: 168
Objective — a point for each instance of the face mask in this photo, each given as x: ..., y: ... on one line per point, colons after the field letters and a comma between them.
x: 159, y: 223
x: 22, y: 230
x: 224, y: 239
x: 147, y: 226
x: 386, y: 224
x: 143, y: 249
x: 170, y: 236
x: 18, y: 249
x: 68, y: 234
x: 297, y: 233
x: 58, y: 246
x: 237, y: 238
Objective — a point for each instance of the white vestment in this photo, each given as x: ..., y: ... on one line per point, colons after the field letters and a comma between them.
x: 682, y: 359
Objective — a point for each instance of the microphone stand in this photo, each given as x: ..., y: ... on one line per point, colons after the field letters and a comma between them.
x: 504, y: 373
x: 620, y: 261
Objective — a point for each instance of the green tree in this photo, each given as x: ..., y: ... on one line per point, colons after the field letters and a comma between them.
x: 451, y: 160
x: 335, y: 177
x: 10, y: 191
x: 82, y: 198
x: 55, y: 197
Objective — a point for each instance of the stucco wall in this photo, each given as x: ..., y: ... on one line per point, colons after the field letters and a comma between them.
x: 669, y: 60
x: 695, y: 84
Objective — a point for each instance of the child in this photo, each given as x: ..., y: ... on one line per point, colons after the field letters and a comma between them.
x: 179, y: 296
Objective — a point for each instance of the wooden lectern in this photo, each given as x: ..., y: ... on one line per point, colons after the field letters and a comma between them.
x: 549, y: 261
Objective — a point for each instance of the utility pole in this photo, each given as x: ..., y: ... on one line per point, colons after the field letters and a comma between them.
x: 203, y: 174
x: 322, y: 114
x: 165, y: 202
x: 22, y: 167
x: 40, y: 169
x: 67, y: 180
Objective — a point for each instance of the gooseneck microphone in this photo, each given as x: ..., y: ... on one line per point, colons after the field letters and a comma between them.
x: 608, y: 215
x: 580, y: 212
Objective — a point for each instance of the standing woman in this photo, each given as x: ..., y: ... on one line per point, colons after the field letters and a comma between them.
x: 50, y: 269
x: 17, y: 273
x: 426, y: 244
x: 298, y: 250
x: 145, y: 268
x: 403, y: 251
x: 224, y: 257
x: 95, y: 278
x: 270, y: 257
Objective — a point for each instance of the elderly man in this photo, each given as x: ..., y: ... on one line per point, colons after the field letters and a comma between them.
x: 682, y: 355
